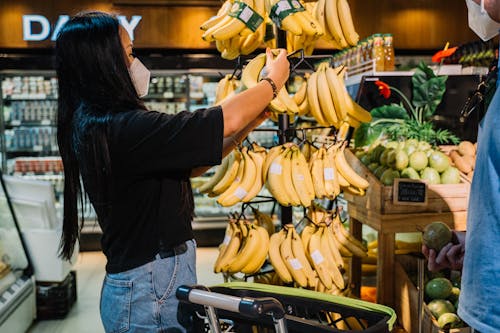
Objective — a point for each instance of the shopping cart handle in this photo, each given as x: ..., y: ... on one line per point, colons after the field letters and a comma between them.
x: 251, y: 307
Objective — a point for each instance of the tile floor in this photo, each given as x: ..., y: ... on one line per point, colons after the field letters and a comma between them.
x: 84, y: 315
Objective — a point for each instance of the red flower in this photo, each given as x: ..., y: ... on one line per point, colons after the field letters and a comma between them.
x: 384, y: 89
x: 443, y: 54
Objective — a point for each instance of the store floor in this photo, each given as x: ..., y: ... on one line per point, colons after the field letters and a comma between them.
x: 84, y: 315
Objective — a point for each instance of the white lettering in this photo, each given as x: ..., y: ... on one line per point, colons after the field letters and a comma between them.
x: 60, y: 22
x: 130, y: 26
x: 28, y: 21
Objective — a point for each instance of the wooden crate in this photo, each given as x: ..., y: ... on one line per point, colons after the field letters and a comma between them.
x: 379, y: 198
x: 406, y: 300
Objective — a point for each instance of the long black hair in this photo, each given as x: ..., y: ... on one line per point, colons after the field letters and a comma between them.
x: 94, y: 83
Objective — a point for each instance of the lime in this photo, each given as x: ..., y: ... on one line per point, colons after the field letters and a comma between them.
x: 436, y: 235
x: 375, y: 153
x: 365, y: 159
x: 439, y: 161
x: 439, y: 288
x: 384, y: 156
x: 430, y: 175
x: 440, y: 306
x: 391, y: 158
x: 449, y: 320
x: 409, y: 172
x: 418, y: 160
x: 379, y: 171
x: 450, y: 176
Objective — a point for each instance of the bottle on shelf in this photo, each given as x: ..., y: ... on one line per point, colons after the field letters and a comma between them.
x: 389, y: 61
x: 378, y: 52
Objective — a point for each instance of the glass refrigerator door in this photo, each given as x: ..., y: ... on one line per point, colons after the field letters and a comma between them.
x: 16, y: 281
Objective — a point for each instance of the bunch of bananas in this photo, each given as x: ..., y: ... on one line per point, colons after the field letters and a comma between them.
x: 303, y: 29
x: 331, y: 173
x: 231, y: 35
x: 226, y: 88
x: 288, y: 257
x: 251, y: 75
x: 329, y: 102
x: 288, y: 177
x: 334, y: 16
x: 263, y: 220
x: 244, y: 248
x: 238, y: 178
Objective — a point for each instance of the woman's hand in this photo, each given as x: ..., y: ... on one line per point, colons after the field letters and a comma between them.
x: 277, y: 67
x: 451, y: 255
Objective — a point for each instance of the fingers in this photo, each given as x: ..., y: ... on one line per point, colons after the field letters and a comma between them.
x: 442, y: 258
x: 425, y: 251
x: 455, y: 257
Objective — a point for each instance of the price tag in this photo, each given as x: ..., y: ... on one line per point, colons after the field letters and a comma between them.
x: 409, y: 192
x: 37, y: 148
x: 276, y: 169
x: 45, y: 122
x: 317, y: 257
x: 246, y: 14
x: 168, y: 94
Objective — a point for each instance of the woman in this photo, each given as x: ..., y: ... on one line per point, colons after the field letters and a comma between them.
x: 135, y: 167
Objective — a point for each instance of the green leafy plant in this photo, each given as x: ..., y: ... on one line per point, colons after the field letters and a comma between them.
x: 408, y: 120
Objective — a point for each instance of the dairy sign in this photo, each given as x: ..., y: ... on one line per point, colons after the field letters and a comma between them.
x: 37, y: 28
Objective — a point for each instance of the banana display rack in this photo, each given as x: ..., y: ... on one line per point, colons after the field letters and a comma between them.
x: 252, y: 307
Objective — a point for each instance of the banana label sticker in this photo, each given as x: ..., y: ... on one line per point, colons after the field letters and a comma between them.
x: 240, y: 193
x: 295, y: 263
x: 247, y: 15
x: 226, y: 240
x: 317, y: 257
x: 276, y: 169
x: 283, y: 8
x: 328, y: 174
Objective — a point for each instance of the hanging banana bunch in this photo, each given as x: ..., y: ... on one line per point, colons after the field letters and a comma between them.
x: 334, y: 17
x: 237, y: 29
x: 226, y: 88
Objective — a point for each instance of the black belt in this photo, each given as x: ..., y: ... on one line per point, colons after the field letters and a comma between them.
x: 171, y: 252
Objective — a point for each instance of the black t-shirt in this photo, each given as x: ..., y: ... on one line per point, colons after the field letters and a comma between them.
x: 152, y: 155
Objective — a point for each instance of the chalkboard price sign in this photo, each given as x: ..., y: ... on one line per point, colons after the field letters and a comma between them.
x: 409, y: 192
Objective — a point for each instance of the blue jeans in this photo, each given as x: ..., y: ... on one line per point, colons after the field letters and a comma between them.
x: 143, y: 299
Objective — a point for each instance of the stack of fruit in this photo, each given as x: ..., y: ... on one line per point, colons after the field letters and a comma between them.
x: 409, y: 159
x: 226, y: 88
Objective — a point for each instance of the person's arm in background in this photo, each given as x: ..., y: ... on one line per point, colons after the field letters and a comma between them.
x: 247, y: 110
x: 451, y: 255
x: 492, y: 7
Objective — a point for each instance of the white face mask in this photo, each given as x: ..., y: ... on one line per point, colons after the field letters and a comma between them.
x: 140, y: 77
x: 480, y: 22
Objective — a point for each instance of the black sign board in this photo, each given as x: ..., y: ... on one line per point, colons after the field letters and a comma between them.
x: 409, y: 192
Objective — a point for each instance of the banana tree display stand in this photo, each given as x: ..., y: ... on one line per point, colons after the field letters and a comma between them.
x: 387, y: 216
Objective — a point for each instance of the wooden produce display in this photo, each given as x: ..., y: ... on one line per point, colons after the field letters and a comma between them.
x: 379, y: 210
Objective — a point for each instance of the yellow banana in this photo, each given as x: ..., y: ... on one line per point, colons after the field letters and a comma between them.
x: 319, y: 260
x: 287, y: 179
x: 358, y: 112
x: 325, y: 98
x: 259, y: 257
x: 230, y: 175
x: 293, y: 265
x: 331, y: 179
x: 337, y: 88
x: 216, y: 177
x: 232, y: 48
x: 319, y: 13
x: 250, y: 246
x: 251, y: 42
x: 299, y: 253
x: 313, y: 100
x: 285, y: 99
x: 317, y: 173
x: 208, y: 34
x: 300, y: 95
x: 276, y: 259
x: 223, y: 247
x: 301, y: 178
x: 310, y: 26
x: 335, y: 273
x: 347, y: 172
x: 305, y: 236
x: 291, y: 24
x: 240, y: 188
x: 264, y: 220
x: 271, y: 155
x: 341, y: 234
x: 334, y: 248
x: 251, y: 72
x: 231, y: 250
x: 275, y: 179
x: 345, y: 17
x: 258, y: 159
x: 223, y: 11
x: 333, y: 23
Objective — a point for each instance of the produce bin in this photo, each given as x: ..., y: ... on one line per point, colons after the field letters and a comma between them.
x: 305, y: 311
